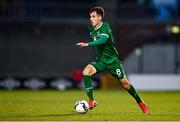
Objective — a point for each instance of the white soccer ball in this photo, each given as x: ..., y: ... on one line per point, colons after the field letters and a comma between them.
x: 81, y: 106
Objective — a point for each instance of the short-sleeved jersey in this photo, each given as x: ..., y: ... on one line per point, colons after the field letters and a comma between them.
x: 105, y: 52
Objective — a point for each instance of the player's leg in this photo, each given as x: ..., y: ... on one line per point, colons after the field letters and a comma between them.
x: 87, y: 73
x: 127, y: 86
x: 131, y: 90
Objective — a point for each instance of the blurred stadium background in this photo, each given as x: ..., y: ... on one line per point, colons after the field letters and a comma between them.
x: 38, y: 37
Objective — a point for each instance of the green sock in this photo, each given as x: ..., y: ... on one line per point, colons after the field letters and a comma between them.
x: 88, y: 86
x: 133, y: 93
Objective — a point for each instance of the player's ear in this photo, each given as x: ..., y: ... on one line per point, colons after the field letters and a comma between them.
x: 100, y: 17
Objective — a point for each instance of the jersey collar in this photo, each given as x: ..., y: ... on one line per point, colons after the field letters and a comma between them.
x: 98, y: 26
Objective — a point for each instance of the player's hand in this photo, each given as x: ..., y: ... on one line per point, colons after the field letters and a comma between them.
x: 82, y: 44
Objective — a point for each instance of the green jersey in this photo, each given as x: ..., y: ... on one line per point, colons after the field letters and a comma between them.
x: 102, y: 38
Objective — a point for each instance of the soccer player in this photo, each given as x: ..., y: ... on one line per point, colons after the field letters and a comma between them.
x: 107, y: 58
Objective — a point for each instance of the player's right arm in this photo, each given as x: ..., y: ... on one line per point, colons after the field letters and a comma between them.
x: 82, y: 44
x: 102, y: 40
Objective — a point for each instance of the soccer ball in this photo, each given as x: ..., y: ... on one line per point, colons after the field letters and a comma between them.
x: 81, y: 106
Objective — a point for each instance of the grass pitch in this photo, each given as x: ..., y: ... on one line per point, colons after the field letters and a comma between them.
x: 112, y: 105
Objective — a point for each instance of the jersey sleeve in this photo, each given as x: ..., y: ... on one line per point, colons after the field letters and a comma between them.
x: 101, y: 40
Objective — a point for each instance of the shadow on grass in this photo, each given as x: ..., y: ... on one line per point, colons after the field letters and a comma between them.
x: 58, y: 115
x: 50, y: 115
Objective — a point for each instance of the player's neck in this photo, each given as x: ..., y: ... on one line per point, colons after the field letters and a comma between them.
x: 98, y: 25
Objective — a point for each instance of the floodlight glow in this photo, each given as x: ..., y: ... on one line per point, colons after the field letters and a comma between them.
x: 175, y: 29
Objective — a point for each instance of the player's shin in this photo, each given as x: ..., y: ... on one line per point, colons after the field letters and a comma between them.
x: 134, y: 94
x: 88, y: 86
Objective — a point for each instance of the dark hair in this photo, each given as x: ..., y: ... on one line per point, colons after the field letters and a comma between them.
x: 98, y: 10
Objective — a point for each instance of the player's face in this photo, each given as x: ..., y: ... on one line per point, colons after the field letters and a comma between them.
x: 95, y: 19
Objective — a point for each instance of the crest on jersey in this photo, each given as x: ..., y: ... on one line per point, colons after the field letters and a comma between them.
x: 94, y: 38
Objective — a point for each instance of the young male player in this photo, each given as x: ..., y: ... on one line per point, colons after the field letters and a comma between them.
x: 107, y: 58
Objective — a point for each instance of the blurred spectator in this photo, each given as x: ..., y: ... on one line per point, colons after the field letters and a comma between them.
x: 165, y: 9
x: 77, y: 75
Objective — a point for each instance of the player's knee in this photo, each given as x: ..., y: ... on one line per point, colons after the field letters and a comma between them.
x: 86, y: 72
x: 89, y: 70
x: 125, y: 84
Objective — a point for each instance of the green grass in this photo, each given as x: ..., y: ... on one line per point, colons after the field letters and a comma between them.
x: 112, y: 105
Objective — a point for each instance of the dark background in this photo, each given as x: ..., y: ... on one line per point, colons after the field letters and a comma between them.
x: 38, y: 37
